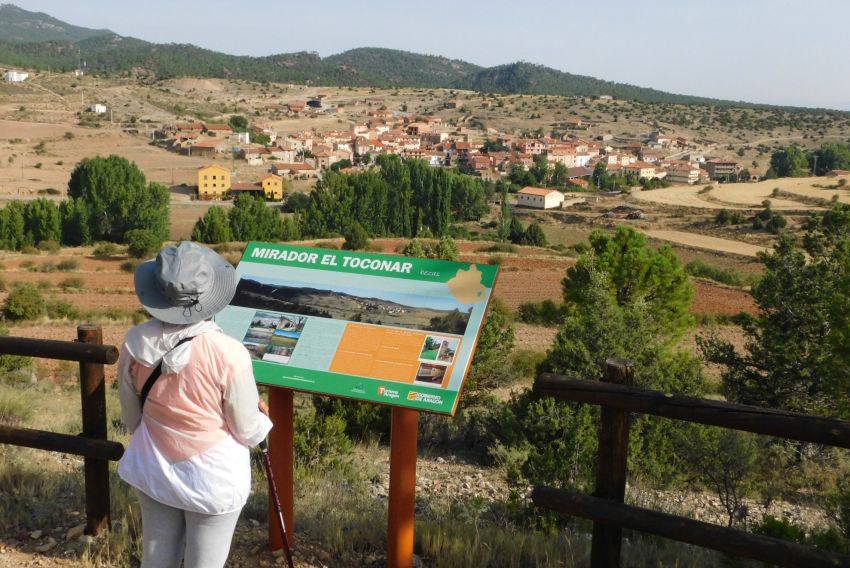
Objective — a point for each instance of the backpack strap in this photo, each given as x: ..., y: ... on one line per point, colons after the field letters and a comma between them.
x: 152, y: 378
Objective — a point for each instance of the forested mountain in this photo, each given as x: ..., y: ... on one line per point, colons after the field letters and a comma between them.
x: 35, y: 40
x: 393, y: 67
x: 522, y: 77
x: 19, y: 25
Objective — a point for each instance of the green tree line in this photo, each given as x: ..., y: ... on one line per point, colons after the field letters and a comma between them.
x: 108, y: 199
x: 400, y: 198
x: 793, y: 161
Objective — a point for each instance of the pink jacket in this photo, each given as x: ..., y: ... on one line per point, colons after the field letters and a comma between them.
x: 190, y: 447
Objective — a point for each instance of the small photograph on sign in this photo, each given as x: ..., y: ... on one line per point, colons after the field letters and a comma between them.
x: 431, y: 374
x: 448, y: 350
x: 273, y: 336
x: 440, y: 349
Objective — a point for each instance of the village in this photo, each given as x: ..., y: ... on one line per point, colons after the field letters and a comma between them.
x: 307, y: 155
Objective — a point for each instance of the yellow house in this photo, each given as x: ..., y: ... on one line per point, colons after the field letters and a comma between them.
x: 273, y: 187
x: 213, y: 182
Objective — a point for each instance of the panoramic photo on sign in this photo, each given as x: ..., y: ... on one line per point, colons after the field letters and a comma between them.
x: 374, y: 327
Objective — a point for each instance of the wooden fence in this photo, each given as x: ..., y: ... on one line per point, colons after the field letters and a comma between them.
x: 92, y: 444
x: 618, y: 398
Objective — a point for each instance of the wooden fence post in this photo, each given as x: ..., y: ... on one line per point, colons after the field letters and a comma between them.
x: 93, y: 397
x: 611, y: 473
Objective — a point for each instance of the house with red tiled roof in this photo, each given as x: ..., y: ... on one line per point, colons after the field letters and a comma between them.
x: 290, y: 171
x: 296, y: 106
x: 531, y: 146
x: 640, y: 170
x: 189, y: 127
x: 208, y: 147
x: 479, y: 162
x: 218, y: 129
x: 539, y: 198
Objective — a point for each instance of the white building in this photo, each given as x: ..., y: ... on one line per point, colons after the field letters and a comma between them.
x: 240, y: 138
x: 98, y: 108
x: 15, y: 76
x: 539, y: 198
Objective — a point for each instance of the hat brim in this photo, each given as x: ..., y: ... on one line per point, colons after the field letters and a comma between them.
x: 215, y: 299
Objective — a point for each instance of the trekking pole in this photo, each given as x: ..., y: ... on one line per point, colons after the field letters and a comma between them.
x: 264, y: 448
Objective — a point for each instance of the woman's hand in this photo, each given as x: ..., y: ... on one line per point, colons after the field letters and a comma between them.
x: 264, y: 408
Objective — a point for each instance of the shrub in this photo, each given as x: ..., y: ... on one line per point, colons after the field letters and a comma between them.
x: 726, y: 217
x: 29, y: 249
x: 526, y: 362
x: 142, y: 243
x: 24, y: 303
x: 356, y: 237
x: 15, y: 406
x: 106, y: 249
x: 72, y: 284
x: 498, y: 247
x: 320, y: 443
x: 728, y: 276
x: 362, y: 421
x: 785, y: 529
x: 546, y: 313
x: 68, y: 264
x: 62, y: 309
x: 45, y: 267
x: 49, y: 246
x: 9, y: 363
x: 130, y: 265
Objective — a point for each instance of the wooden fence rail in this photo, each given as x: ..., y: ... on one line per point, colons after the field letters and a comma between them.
x: 92, y: 444
x: 606, y: 509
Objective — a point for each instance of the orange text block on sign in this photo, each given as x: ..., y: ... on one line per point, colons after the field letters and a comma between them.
x: 378, y: 352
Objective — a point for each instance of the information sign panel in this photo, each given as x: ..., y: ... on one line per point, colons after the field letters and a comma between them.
x: 374, y: 327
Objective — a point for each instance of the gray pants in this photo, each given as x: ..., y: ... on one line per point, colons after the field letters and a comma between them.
x: 171, y: 535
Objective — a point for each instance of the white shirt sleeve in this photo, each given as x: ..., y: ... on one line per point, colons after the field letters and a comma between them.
x: 241, y: 411
x: 131, y: 409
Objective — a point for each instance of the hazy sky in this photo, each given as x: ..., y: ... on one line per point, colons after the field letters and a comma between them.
x: 770, y: 51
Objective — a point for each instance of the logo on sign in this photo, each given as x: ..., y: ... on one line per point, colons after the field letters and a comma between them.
x: 424, y: 397
x: 389, y: 393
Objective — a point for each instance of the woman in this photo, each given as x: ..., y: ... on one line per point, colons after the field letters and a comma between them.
x: 192, y: 424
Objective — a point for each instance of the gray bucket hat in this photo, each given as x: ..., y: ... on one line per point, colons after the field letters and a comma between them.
x: 185, y: 283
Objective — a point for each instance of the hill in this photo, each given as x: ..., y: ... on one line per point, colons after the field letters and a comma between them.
x: 391, y: 67
x: 19, y: 25
x: 35, y: 40
x: 529, y: 78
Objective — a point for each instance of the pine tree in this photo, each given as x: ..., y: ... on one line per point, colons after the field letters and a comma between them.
x: 213, y: 227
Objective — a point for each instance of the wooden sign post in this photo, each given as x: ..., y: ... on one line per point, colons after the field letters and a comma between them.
x: 402, y: 501
x: 282, y: 456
